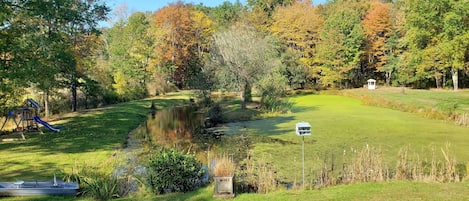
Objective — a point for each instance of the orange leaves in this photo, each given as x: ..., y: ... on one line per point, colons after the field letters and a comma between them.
x: 377, y: 22
x: 377, y: 27
x: 176, y: 19
x: 184, y: 40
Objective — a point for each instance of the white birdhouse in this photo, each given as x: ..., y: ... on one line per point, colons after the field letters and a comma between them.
x: 303, y: 129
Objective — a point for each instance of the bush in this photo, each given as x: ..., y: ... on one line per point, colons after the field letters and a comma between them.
x: 172, y: 171
x: 215, y: 114
x: 275, y: 104
x: 98, y: 183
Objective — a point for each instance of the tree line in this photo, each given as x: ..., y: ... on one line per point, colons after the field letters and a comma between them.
x: 265, y: 45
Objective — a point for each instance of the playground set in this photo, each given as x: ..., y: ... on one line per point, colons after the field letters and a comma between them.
x: 26, y: 119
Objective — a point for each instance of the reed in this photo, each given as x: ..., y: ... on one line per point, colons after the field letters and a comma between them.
x: 224, y: 166
x: 258, y: 175
x: 367, y: 165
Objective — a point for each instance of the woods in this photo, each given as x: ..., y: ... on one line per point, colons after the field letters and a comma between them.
x: 55, y: 51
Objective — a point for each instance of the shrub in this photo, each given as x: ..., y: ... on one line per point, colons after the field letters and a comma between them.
x: 172, y: 171
x: 275, y: 104
x: 102, y: 187
x: 98, y: 183
x: 215, y: 114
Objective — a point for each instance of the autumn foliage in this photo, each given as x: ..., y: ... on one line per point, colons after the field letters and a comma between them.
x: 54, y: 45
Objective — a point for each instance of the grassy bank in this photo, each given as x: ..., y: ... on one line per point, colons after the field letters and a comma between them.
x: 436, y: 104
x: 90, y: 137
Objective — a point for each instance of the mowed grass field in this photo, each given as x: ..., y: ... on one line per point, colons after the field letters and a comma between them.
x: 443, y: 100
x: 89, y: 138
x: 341, y: 126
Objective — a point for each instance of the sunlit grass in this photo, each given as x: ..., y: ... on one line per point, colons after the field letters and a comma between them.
x: 87, y: 137
x: 341, y: 125
x: 444, y: 100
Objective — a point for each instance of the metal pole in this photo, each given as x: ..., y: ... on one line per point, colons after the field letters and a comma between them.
x: 303, y: 147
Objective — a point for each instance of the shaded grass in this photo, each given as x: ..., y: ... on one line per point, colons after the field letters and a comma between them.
x: 90, y: 137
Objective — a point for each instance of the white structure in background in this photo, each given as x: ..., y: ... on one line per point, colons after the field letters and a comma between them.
x: 371, y: 84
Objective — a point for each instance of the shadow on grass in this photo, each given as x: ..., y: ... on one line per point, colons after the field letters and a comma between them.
x: 103, y: 128
x: 100, y: 130
x: 265, y: 127
x: 297, y: 109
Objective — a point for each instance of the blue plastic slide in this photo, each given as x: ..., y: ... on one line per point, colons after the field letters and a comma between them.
x: 45, y: 124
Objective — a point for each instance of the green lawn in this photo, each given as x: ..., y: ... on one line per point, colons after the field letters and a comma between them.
x: 402, y: 190
x: 341, y: 125
x: 87, y: 138
x: 443, y: 100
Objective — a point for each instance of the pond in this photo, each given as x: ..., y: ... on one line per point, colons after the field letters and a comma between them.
x: 185, y: 129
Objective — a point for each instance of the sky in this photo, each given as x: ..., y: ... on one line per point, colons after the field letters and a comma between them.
x: 153, y: 5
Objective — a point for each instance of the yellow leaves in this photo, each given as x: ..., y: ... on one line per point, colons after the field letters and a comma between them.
x: 120, y: 83
x: 202, y: 22
x: 298, y: 26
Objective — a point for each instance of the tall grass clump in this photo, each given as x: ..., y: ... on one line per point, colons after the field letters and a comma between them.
x: 98, y: 182
x: 273, y: 104
x: 367, y: 165
x: 257, y: 176
x: 432, y: 170
x: 224, y: 166
x: 358, y: 165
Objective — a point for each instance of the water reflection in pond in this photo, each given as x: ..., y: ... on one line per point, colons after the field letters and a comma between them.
x: 182, y: 128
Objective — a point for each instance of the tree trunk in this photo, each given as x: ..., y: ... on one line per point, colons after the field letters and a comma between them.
x: 74, y: 95
x: 437, y: 82
x: 443, y: 84
x: 46, y: 104
x: 388, y: 78
x: 245, y: 95
x: 243, y: 99
x: 454, y: 73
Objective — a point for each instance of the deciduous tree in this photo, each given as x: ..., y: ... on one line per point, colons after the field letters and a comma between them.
x: 298, y: 26
x: 241, y: 57
x: 377, y: 28
x: 341, y: 47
